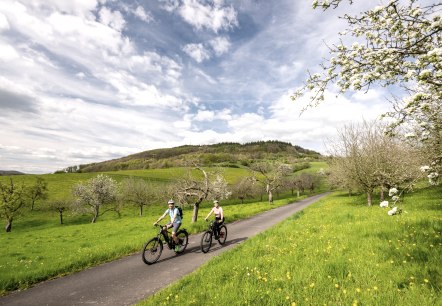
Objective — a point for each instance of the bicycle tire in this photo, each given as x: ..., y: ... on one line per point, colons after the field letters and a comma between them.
x: 152, y: 251
x: 222, y: 234
x: 206, y: 241
x: 183, y: 238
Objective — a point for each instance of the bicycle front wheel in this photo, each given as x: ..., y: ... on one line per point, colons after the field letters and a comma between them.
x: 222, y: 234
x: 152, y: 251
x: 183, y: 238
x: 206, y: 241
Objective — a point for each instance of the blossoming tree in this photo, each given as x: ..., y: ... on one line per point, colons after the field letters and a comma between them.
x: 397, y: 44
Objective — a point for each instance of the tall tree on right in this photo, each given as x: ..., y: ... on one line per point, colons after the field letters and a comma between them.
x: 397, y: 44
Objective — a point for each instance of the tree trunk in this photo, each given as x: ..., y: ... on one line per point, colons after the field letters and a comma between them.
x: 196, y: 207
x: 61, y: 216
x: 141, y: 210
x: 8, y: 226
x: 96, y: 212
x: 382, y: 194
x: 270, y: 197
x: 369, y: 197
x: 297, y: 193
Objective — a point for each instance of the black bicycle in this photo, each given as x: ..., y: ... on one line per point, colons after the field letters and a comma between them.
x: 206, y: 239
x: 154, y: 247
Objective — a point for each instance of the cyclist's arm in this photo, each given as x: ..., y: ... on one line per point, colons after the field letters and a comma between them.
x: 161, y: 218
x: 211, y: 211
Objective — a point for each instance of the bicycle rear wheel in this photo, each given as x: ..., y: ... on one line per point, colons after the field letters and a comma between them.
x: 206, y: 241
x: 183, y: 238
x: 222, y: 234
x: 152, y: 251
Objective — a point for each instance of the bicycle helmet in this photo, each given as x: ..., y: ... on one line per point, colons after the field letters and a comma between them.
x: 171, y: 202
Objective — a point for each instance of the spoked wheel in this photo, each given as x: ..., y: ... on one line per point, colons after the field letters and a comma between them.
x: 152, y: 251
x: 183, y: 238
x: 206, y: 242
x: 222, y: 234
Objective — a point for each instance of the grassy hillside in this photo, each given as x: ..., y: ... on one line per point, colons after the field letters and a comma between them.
x: 222, y: 154
x: 336, y: 252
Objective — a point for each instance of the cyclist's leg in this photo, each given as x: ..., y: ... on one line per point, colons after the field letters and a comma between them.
x: 217, y: 225
x: 176, y: 226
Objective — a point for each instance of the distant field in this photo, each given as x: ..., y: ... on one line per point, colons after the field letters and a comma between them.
x: 60, y: 185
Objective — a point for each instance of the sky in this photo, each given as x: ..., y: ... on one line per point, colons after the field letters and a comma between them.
x: 85, y: 81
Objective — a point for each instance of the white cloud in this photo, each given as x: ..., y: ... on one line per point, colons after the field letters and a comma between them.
x: 4, y: 24
x: 204, y: 115
x: 220, y: 45
x: 213, y: 17
x: 112, y: 19
x: 142, y: 14
x: 8, y: 52
x: 197, y: 52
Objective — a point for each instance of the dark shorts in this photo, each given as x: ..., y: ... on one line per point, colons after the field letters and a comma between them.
x: 175, y: 226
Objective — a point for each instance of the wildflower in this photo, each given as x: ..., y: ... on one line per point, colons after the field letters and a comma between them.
x: 336, y: 286
x: 358, y: 290
x: 384, y: 204
x: 392, y: 191
x: 395, y: 198
x: 426, y: 280
x: 425, y: 168
x: 392, y: 211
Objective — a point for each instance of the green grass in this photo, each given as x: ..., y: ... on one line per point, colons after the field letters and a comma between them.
x: 39, y: 248
x: 335, y: 252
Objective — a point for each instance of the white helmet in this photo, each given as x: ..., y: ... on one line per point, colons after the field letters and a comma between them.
x: 171, y: 202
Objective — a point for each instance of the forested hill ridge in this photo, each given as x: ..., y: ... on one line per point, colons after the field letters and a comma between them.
x: 227, y: 154
x: 10, y: 172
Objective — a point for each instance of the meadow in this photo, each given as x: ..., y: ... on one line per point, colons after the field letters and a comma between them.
x: 336, y: 252
x: 39, y: 248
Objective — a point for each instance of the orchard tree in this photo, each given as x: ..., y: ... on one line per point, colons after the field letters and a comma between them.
x: 193, y: 190
x: 60, y: 206
x: 96, y: 194
x: 271, y: 175
x: 367, y: 158
x: 12, y: 201
x: 138, y: 192
x: 244, y: 188
x: 38, y: 191
x: 397, y: 44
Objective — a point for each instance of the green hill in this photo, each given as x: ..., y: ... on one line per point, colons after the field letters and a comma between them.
x: 228, y: 154
x: 10, y: 172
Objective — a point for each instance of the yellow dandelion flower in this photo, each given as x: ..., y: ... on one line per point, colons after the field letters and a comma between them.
x: 336, y: 286
x: 426, y: 280
x: 375, y: 288
x: 293, y: 304
x: 287, y: 297
x: 358, y: 289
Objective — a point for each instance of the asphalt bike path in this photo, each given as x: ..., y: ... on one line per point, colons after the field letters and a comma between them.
x: 128, y: 280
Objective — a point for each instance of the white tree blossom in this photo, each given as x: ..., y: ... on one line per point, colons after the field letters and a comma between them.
x: 397, y: 44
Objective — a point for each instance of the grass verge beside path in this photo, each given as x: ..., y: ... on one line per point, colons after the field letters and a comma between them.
x: 336, y: 252
x: 39, y: 249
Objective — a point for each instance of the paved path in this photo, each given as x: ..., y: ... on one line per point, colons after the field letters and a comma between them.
x: 128, y: 280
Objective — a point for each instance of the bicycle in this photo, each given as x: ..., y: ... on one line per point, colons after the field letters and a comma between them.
x: 154, y: 247
x: 206, y: 239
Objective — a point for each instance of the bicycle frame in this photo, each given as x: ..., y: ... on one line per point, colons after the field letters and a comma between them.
x: 166, y: 235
